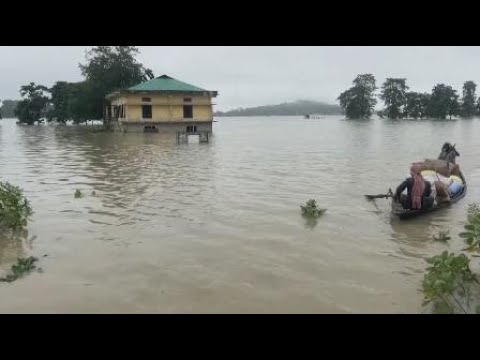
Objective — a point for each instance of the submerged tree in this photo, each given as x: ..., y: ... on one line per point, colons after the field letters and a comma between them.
x: 359, y: 101
x: 33, y: 107
x: 394, y: 95
x: 443, y: 102
x: 469, y: 99
x: 60, y: 98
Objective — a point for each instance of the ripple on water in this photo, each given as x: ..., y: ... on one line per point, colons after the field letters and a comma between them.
x: 220, y: 223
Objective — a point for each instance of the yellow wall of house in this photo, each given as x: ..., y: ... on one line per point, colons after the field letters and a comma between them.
x: 165, y: 107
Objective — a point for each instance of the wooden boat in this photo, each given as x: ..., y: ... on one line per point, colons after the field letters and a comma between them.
x: 448, y: 153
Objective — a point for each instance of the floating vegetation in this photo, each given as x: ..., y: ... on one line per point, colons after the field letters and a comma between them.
x: 15, y: 209
x: 20, y: 269
x: 311, y: 209
x: 78, y: 194
x: 443, y: 236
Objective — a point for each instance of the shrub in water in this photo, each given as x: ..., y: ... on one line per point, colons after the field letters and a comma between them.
x: 310, y: 209
x: 14, y: 207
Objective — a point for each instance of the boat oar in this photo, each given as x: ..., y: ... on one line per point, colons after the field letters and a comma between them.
x: 380, y: 196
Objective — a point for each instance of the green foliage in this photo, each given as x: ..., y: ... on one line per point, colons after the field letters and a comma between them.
x: 471, y: 235
x: 60, y: 99
x: 81, y: 105
x: 33, y: 107
x: 78, y: 194
x: 468, y: 108
x: 443, y: 102
x: 443, y: 236
x: 22, y: 267
x: 300, y: 107
x: 359, y: 101
x: 110, y: 68
x: 8, y: 108
x: 477, y: 309
x: 394, y: 96
x: 416, y: 104
x: 448, y: 277
x: 14, y: 207
x: 310, y: 209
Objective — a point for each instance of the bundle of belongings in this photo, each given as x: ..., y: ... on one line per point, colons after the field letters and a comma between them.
x: 444, y: 177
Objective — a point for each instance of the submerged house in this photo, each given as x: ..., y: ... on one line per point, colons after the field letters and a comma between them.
x: 163, y: 104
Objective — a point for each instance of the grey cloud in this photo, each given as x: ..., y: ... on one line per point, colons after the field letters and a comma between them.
x: 252, y: 76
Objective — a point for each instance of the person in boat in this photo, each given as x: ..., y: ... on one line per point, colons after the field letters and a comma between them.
x: 419, y: 191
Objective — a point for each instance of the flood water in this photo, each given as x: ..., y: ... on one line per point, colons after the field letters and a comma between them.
x: 215, y: 228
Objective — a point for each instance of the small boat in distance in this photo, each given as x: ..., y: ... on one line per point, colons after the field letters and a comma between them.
x: 314, y: 116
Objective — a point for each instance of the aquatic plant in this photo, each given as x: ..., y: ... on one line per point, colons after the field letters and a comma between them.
x: 21, y: 268
x: 447, y: 282
x: 471, y: 235
x: 78, y: 194
x: 443, y: 236
x: 15, y: 209
x: 311, y: 209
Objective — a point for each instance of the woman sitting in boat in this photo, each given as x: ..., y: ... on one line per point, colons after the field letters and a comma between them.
x: 419, y: 191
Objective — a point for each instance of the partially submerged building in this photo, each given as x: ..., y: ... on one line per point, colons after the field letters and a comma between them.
x: 163, y: 105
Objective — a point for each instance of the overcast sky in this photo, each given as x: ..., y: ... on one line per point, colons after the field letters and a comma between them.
x: 252, y: 76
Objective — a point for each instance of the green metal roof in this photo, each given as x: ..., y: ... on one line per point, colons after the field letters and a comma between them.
x: 165, y: 83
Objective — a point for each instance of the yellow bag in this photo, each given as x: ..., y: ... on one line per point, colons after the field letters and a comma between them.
x: 428, y: 173
x: 456, y: 178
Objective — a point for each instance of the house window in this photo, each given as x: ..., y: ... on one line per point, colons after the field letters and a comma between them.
x: 122, y: 112
x: 187, y: 99
x: 187, y: 111
x: 146, y: 99
x: 147, y: 111
x: 191, y: 128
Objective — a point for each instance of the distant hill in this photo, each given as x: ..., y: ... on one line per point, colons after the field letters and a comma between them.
x: 300, y: 107
x: 7, y: 108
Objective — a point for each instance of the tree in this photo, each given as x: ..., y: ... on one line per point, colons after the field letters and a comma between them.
x: 468, y: 108
x: 8, y: 108
x: 81, y: 104
x: 394, y: 95
x: 443, y: 102
x: 110, y: 68
x: 424, y: 100
x: 60, y: 98
x: 359, y: 101
x: 32, y: 108
x: 412, y: 105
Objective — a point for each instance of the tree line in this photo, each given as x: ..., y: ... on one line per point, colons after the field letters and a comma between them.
x: 359, y: 101
x: 107, y: 69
